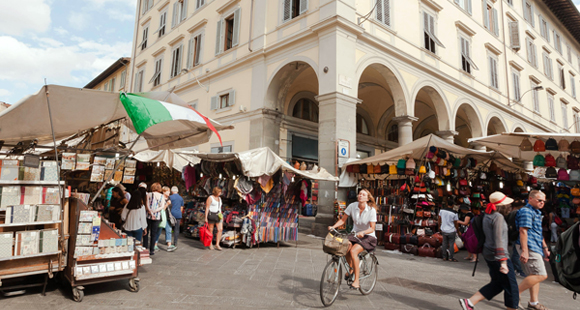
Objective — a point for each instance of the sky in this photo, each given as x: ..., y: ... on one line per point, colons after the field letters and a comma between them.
x: 68, y: 42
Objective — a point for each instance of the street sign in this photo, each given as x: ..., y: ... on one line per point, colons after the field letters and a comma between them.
x: 343, y: 151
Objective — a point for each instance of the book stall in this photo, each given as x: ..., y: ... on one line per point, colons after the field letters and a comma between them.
x: 262, y: 195
x: 412, y: 183
x: 50, y: 217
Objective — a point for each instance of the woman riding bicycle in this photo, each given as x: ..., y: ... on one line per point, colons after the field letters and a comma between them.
x: 364, y: 216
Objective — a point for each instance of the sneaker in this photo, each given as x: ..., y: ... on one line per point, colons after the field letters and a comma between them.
x: 171, y: 248
x: 156, y: 248
x: 465, y: 304
x: 539, y: 306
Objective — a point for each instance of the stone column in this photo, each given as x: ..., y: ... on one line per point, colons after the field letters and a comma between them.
x: 265, y: 130
x: 448, y: 135
x: 405, y: 124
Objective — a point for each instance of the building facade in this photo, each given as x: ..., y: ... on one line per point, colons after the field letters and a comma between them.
x: 300, y: 75
x: 114, y: 78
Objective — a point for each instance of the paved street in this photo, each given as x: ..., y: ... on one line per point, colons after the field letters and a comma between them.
x: 281, y: 278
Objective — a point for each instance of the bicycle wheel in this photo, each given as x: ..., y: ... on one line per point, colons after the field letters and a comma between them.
x: 330, y: 282
x: 368, y: 274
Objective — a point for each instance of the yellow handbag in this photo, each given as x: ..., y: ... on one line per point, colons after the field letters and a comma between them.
x: 422, y: 169
x: 393, y: 169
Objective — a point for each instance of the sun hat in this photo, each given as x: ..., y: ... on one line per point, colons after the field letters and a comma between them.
x: 497, y: 199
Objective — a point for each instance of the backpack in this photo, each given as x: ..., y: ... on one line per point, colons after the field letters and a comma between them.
x: 565, y: 258
x: 513, y: 232
x: 474, y: 238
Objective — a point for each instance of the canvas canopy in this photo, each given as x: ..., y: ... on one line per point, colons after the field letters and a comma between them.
x: 262, y: 161
x: 508, y: 143
x: 175, y: 159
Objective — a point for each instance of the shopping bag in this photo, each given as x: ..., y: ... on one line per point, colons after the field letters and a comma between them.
x: 163, y: 222
x: 205, y: 235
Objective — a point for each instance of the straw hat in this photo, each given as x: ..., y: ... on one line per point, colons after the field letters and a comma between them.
x: 500, y: 199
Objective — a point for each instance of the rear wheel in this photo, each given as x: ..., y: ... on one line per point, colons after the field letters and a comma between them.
x: 368, y: 274
x: 330, y: 282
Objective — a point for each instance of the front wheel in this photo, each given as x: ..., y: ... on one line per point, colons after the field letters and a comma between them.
x: 369, y: 272
x: 330, y: 282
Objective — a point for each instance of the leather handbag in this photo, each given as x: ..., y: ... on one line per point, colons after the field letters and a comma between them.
x: 413, y: 239
x: 392, y: 238
x: 427, y: 251
x: 391, y: 246
x: 409, y: 249
x: 419, y: 213
x: 439, y: 253
x: 439, y: 237
x: 430, y: 240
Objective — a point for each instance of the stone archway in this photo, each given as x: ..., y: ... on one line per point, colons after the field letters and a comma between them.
x: 495, y: 125
x: 467, y: 124
x: 430, y: 110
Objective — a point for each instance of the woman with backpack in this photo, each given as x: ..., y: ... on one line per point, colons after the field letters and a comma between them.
x: 467, y: 216
x: 495, y: 252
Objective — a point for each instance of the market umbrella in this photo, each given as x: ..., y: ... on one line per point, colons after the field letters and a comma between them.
x: 508, y: 143
x: 168, y: 126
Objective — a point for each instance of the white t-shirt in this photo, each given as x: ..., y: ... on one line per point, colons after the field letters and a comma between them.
x: 362, y: 221
x: 447, y: 219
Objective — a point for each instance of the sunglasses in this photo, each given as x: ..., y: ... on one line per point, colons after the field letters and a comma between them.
x: 540, y: 200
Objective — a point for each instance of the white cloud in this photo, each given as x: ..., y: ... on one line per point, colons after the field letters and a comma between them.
x: 78, y: 20
x: 4, y: 93
x: 100, y: 3
x: 120, y: 16
x: 61, y: 31
x: 61, y: 64
x: 16, y: 18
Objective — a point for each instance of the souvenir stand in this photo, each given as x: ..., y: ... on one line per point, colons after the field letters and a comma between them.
x: 555, y: 159
x: 413, y: 182
x: 266, y: 194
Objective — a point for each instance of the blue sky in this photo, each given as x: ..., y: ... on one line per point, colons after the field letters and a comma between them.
x: 68, y: 42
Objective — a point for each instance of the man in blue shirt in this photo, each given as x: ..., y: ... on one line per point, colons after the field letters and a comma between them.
x: 532, y: 247
x: 176, y: 211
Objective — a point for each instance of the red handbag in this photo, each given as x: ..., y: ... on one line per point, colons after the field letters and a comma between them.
x: 392, y: 238
x: 205, y: 235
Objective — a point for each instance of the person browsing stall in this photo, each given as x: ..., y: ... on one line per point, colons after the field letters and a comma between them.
x: 448, y: 227
x: 364, y: 216
x: 465, y: 210
x: 213, y: 210
x: 176, y: 211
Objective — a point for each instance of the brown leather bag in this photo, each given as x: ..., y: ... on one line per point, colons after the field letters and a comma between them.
x: 430, y: 240
x: 427, y: 251
x: 409, y: 249
x: 392, y: 238
x: 439, y: 237
x: 391, y: 246
x: 419, y: 213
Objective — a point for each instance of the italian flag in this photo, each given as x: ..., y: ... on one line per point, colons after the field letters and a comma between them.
x: 145, y: 113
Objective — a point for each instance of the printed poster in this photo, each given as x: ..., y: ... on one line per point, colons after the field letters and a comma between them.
x: 129, y: 163
x: 110, y: 163
x: 68, y: 161
x: 99, y: 160
x: 98, y: 173
x: 83, y: 161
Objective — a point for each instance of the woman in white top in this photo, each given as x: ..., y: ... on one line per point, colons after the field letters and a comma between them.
x: 135, y: 216
x: 155, y: 204
x: 213, y: 207
x: 364, y: 216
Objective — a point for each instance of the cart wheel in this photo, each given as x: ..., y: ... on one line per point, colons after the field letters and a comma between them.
x: 78, y: 294
x: 134, y: 285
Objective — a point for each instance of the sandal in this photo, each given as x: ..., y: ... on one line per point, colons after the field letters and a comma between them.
x: 352, y: 287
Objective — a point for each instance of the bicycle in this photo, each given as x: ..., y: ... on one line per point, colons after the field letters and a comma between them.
x: 332, y: 274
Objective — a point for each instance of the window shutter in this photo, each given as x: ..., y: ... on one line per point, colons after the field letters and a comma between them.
x: 197, y: 4
x: 380, y: 10
x: 387, y: 12
x: 514, y: 35
x: 190, y: 53
x: 222, y: 35
x: 495, y: 23
x: 532, y: 15
x: 175, y: 13
x: 184, y: 10
x: 179, y: 59
x: 218, y: 37
x: 214, y: 103
x: 198, y: 49
x: 144, y: 6
x: 236, y: 35
x: 303, y: 6
x: 150, y: 4
x: 287, y: 10
x: 136, y: 80
x: 232, y: 98
x: 485, y: 15
x: 457, y: 2
x: 469, y: 9
x: 534, y: 55
x: 563, y: 74
x: 425, y: 22
x: 432, y: 31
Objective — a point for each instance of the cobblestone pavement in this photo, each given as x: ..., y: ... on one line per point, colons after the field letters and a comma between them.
x: 287, y: 277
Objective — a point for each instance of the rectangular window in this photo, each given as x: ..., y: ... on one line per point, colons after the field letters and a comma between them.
x: 145, y: 35
x: 557, y: 42
x: 562, y: 75
x: 123, y: 78
x: 223, y: 101
x: 532, y: 58
x: 106, y: 87
x: 551, y: 107
x: 516, y: 83
x: 146, y: 5
x: 112, y: 84
x: 466, y: 63
x: 194, y: 54
x: 156, y: 79
x: 572, y: 86
x: 162, y: 22
x: 384, y: 11
x: 199, y: 4
x: 228, y: 32
x: 179, y: 12
x: 221, y: 149
x: 535, y: 97
x: 569, y: 50
x: 544, y: 29
x: 493, y: 80
x: 529, y: 12
x: 577, y: 122
x: 139, y: 81
x: 548, y: 66
x: 490, y: 18
x: 429, y: 32
x: 465, y: 5
x: 176, y: 57
x: 294, y: 8
x: 510, y: 2
x: 565, y: 115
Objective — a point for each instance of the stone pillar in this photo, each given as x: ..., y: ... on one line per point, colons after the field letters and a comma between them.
x: 265, y: 130
x: 448, y: 135
x: 405, y: 124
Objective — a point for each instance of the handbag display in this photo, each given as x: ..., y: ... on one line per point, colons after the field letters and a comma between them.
x: 427, y: 251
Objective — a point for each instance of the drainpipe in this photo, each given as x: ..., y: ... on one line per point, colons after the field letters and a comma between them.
x: 507, y: 76
x: 134, y: 52
x: 251, y: 23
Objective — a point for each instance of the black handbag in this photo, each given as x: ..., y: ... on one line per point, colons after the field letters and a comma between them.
x: 213, y: 217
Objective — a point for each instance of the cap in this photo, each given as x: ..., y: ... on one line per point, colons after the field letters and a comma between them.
x: 143, y: 184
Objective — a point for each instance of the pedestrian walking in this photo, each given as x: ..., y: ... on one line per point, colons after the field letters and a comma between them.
x: 553, y: 225
x: 513, y: 235
x: 176, y: 211
x: 167, y: 226
x: 213, y: 211
x: 467, y: 216
x: 496, y: 255
x: 532, y: 247
x: 134, y: 215
x: 154, y: 204
x: 448, y: 227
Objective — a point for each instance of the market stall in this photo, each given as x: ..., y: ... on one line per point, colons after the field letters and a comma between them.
x: 413, y: 182
x: 261, y: 191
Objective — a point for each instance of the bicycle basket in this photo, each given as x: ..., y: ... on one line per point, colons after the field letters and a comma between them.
x: 335, y: 245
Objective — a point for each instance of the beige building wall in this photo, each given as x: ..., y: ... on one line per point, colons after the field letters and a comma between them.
x: 114, y: 78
